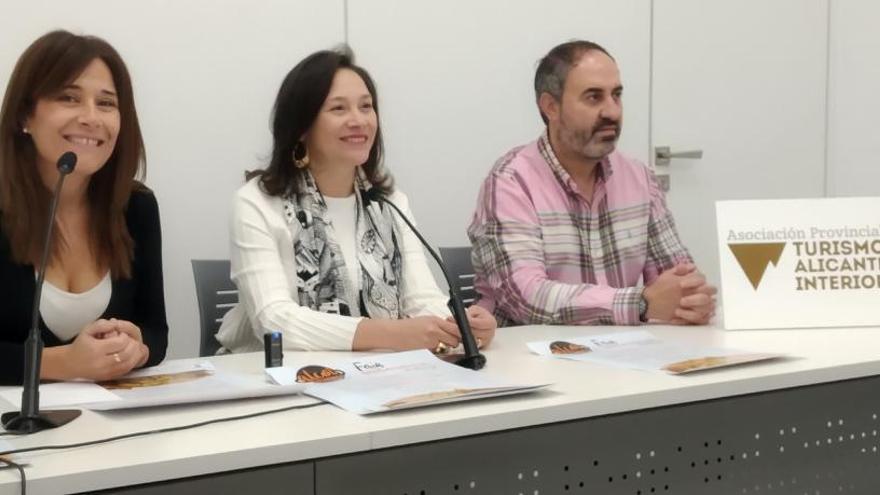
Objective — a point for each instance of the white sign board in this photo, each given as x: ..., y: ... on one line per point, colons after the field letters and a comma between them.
x: 800, y: 262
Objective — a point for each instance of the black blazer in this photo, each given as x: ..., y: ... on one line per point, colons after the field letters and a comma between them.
x: 140, y: 299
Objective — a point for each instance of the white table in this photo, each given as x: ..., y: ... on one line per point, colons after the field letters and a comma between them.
x: 654, y: 420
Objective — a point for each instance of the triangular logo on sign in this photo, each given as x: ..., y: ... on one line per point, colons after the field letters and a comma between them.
x: 754, y: 258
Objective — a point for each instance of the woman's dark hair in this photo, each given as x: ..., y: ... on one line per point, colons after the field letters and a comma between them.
x: 51, y: 63
x: 299, y: 101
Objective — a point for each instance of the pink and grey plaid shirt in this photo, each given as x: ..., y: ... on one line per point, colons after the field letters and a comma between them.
x: 544, y: 255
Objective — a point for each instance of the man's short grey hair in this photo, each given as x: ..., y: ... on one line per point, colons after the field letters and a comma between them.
x: 553, y: 69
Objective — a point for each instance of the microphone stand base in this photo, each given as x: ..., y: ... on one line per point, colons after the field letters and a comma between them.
x: 17, y: 423
x: 471, y: 362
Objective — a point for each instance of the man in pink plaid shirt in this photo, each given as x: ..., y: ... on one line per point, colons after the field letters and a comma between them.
x: 566, y: 227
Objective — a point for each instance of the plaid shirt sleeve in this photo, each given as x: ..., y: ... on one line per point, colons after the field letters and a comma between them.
x: 509, y: 261
x: 665, y: 248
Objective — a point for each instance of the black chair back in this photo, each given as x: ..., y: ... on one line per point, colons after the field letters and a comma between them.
x: 217, y: 294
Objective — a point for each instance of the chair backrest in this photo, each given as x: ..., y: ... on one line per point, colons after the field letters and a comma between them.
x: 217, y: 294
x: 461, y: 270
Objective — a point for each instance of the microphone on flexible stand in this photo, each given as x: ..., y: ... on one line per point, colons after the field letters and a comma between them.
x: 472, y: 358
x: 30, y: 419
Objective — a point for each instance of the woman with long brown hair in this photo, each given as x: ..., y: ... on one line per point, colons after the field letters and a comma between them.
x: 312, y: 256
x: 102, y: 307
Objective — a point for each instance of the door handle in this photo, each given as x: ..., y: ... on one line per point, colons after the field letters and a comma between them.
x: 663, y: 155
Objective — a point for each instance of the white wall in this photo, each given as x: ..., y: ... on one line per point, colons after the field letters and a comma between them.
x: 854, y: 102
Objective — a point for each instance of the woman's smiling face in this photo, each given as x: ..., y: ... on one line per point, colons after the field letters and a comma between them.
x: 82, y: 117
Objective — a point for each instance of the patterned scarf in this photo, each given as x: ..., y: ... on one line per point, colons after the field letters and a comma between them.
x: 321, y: 277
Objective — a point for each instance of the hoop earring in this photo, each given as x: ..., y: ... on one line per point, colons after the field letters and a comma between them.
x: 300, y: 155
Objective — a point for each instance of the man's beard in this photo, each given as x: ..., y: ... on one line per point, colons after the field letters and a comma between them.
x: 585, y: 143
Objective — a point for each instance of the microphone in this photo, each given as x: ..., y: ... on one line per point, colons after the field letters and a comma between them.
x: 472, y: 358
x: 30, y: 419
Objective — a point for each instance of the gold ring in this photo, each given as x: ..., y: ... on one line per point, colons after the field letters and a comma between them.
x: 116, y: 357
x: 441, y: 348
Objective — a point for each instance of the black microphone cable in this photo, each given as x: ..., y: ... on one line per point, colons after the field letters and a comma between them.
x: 126, y: 436
x: 472, y: 359
x: 20, y: 468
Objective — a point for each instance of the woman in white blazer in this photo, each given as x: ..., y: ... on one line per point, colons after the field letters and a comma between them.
x: 314, y: 258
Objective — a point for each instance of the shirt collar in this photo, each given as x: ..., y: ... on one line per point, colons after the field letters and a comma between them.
x: 561, y: 174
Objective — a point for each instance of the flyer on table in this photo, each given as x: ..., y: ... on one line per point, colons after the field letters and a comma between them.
x: 642, y: 350
x: 386, y: 382
x: 172, y: 382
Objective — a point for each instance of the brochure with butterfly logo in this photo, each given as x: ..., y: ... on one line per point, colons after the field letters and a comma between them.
x: 387, y: 382
x: 173, y: 382
x: 643, y: 351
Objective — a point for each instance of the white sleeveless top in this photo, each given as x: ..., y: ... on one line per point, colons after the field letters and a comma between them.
x: 342, y: 214
x: 66, y: 313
